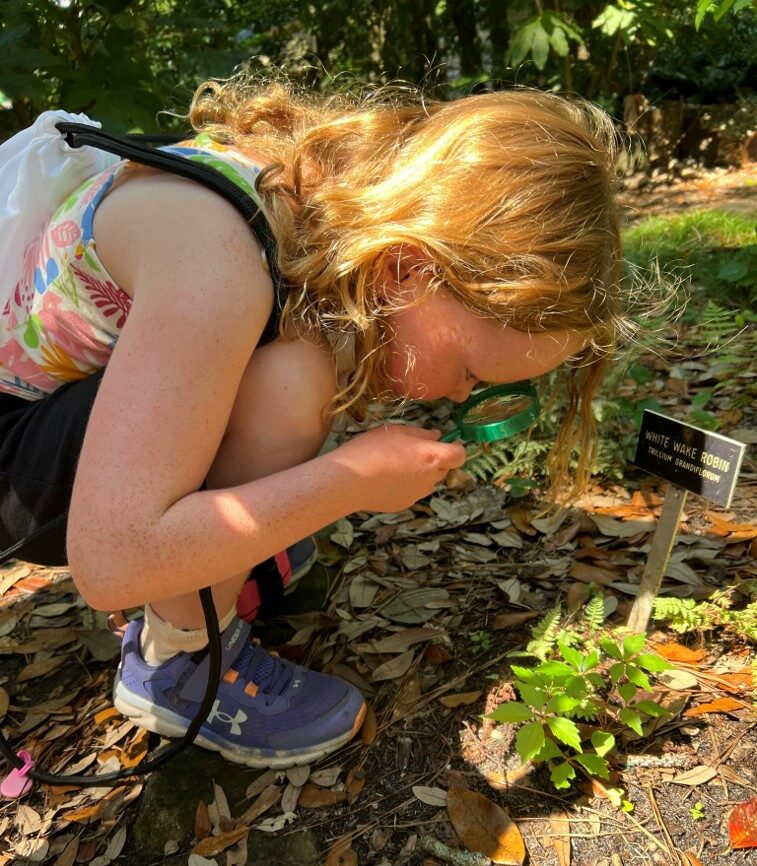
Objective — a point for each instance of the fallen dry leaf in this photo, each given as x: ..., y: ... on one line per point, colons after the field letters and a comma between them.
x: 678, y: 679
x: 721, y: 705
x: 729, y: 525
x: 436, y: 655
x: 342, y: 853
x: 369, y: 727
x: 695, y: 776
x: 521, y: 521
x: 459, y: 700
x: 67, y: 856
x: 29, y: 821
x: 327, y: 777
x: 83, y: 815
x: 430, y: 796
x: 260, y: 783
x: 508, y: 620
x: 354, y: 784
x: 203, y: 827
x: 622, y: 528
x: 676, y: 652
x: 136, y: 751
x: 501, y: 780
x: 736, y: 681
x: 485, y: 828
x: 32, y: 850
x: 313, y: 797
x: 290, y: 797
x: 113, y: 849
x: 742, y: 825
x: 197, y: 860
x: 109, y: 715
x: 593, y: 574
x: 690, y: 859
x: 298, y: 776
x: 237, y: 855
x: 396, y: 667
x: 217, y: 844
x: 415, y: 605
x: 560, y: 824
x: 267, y: 797
x: 402, y: 640
x: 39, y: 669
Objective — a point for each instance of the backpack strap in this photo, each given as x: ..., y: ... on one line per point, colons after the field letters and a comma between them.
x: 135, y: 149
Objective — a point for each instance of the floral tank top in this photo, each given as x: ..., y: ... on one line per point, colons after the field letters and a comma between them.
x: 66, y: 313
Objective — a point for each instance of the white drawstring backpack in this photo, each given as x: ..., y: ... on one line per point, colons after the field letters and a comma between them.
x: 38, y: 170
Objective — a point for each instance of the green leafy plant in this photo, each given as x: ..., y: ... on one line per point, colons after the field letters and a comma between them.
x: 718, y: 8
x: 481, y: 641
x: 599, y: 687
x: 697, y: 811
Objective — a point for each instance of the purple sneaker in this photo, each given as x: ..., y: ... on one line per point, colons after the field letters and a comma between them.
x: 268, y: 712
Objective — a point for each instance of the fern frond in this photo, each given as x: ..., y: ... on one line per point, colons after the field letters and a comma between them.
x: 594, y: 612
x: 545, y: 633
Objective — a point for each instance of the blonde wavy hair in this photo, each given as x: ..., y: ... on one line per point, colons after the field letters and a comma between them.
x: 510, y: 195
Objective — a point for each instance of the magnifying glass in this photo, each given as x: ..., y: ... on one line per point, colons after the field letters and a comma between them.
x: 495, y: 413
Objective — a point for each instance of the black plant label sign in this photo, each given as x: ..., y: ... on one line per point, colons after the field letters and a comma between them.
x: 696, y: 460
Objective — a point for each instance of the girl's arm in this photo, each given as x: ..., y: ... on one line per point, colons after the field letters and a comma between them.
x: 138, y: 529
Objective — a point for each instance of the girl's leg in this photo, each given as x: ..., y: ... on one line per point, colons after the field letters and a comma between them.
x: 264, y: 436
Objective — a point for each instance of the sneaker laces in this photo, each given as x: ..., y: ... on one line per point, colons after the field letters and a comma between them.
x: 270, y: 674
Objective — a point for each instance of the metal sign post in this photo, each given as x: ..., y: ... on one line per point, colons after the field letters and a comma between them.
x: 691, y: 460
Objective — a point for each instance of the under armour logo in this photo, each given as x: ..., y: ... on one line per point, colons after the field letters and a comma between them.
x: 234, y: 636
x: 235, y: 722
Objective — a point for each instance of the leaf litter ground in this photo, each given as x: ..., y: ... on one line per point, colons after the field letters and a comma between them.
x: 423, y: 608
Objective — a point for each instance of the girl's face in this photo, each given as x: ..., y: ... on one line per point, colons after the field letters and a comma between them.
x: 439, y: 348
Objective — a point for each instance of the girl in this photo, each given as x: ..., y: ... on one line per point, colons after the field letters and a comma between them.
x: 426, y: 247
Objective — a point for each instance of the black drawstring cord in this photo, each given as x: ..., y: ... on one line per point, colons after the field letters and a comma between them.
x: 214, y: 676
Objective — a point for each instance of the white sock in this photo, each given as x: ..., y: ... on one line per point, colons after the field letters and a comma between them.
x: 161, y: 640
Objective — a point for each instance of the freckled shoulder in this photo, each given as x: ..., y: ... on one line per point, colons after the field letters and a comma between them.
x: 147, y: 212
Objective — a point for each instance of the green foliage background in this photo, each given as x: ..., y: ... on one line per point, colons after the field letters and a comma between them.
x: 122, y: 61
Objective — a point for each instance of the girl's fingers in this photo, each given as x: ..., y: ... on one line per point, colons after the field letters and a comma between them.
x: 453, y: 455
x: 422, y: 432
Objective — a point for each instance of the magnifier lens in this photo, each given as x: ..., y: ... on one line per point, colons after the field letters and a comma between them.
x: 497, y: 408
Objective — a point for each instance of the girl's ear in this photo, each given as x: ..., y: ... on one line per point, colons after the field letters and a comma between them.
x: 401, y: 269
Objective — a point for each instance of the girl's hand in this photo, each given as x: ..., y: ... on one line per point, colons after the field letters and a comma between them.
x: 396, y: 465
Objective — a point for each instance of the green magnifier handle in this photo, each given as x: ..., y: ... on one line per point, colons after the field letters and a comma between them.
x: 451, y: 436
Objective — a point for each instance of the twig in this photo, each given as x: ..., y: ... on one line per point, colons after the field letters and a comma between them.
x: 732, y: 745
x: 646, y: 832
x: 660, y: 822
x: 449, y: 855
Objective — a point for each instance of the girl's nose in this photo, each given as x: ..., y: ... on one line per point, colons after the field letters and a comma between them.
x: 464, y: 392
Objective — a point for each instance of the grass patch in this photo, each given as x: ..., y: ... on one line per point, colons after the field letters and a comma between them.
x: 714, y: 251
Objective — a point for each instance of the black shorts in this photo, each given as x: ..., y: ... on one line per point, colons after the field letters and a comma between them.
x: 40, y: 443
